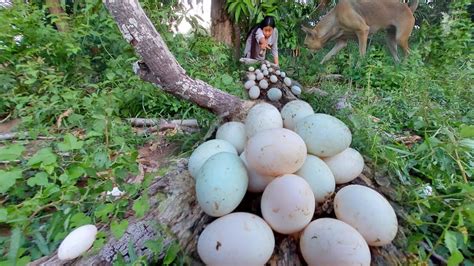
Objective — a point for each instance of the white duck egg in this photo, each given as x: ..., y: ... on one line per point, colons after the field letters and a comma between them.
x: 274, y: 94
x: 287, y: 81
x: 234, y: 133
x: 257, y: 182
x: 249, y: 84
x: 273, y: 78
x: 251, y: 69
x: 275, y: 152
x: 288, y: 204
x: 260, y: 76
x: 221, y: 184
x: 346, y: 166
x: 282, y: 74
x: 206, y: 150
x: 368, y: 212
x: 251, y: 76
x: 236, y: 239
x: 254, y: 92
x: 328, y: 241
x: 296, y: 90
x: 319, y: 177
x: 323, y: 134
x: 263, y: 84
x: 262, y: 116
x: 265, y: 72
x: 77, y: 242
x: 293, y: 111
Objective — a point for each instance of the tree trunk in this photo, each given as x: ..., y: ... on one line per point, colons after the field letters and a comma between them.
x: 55, y: 9
x: 221, y: 25
x: 160, y: 67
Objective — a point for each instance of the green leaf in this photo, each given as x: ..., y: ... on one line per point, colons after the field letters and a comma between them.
x: 171, y: 254
x: 466, y: 131
x: 455, y: 259
x: 15, y: 244
x: 226, y: 79
x: 450, y: 241
x: 40, y: 179
x: 101, y: 159
x: 70, y: 143
x: 118, y: 229
x: 141, y: 206
x: 156, y: 246
x: 11, y: 152
x: 3, y: 215
x: 103, y: 211
x: 8, y: 179
x: 80, y: 219
x: 43, y: 158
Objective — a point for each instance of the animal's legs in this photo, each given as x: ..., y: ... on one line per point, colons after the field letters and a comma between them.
x: 392, y: 45
x: 362, y: 35
x: 403, y: 33
x: 340, y: 44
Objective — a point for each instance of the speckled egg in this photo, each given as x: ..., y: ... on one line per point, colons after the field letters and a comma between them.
x: 288, y: 204
x: 275, y: 152
x: 236, y: 239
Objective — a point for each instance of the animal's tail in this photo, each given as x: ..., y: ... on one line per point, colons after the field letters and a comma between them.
x: 414, y: 6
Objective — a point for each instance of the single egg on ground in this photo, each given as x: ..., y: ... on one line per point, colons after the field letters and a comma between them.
x: 329, y: 242
x: 368, y: 212
x: 236, y: 239
x: 77, y: 242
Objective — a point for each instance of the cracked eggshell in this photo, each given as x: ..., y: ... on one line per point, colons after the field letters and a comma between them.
x: 328, y: 241
x: 206, y: 150
x: 323, y: 134
x: 368, y: 212
x: 77, y: 242
x: 293, y: 111
x: 236, y: 239
x: 249, y: 84
x: 221, y: 184
x: 257, y: 182
x: 276, y: 152
x: 319, y: 177
x: 262, y: 116
x: 234, y: 133
x: 288, y: 204
x: 346, y: 166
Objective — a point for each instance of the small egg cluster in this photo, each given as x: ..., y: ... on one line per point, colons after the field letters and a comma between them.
x: 270, y: 83
x: 295, y: 158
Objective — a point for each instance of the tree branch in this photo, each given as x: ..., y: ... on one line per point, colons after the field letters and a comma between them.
x: 160, y: 67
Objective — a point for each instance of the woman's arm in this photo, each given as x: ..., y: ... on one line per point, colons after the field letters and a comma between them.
x: 275, y: 46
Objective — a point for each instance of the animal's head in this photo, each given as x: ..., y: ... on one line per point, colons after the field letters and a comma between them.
x: 312, y: 41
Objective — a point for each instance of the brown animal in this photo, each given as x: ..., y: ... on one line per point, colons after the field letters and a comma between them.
x: 359, y: 18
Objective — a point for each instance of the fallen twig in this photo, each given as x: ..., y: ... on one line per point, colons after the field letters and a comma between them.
x: 436, y: 256
x: 22, y: 135
x: 147, y: 122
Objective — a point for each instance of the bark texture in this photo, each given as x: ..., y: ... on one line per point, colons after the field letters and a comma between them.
x: 55, y: 9
x: 160, y: 67
x: 221, y: 25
